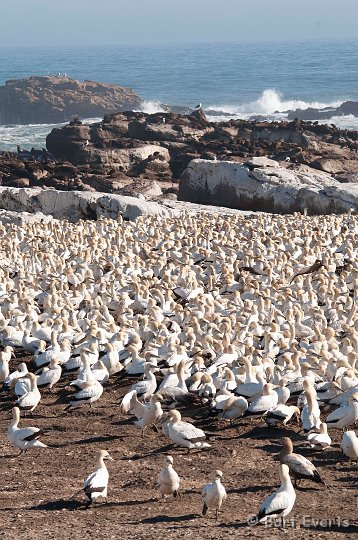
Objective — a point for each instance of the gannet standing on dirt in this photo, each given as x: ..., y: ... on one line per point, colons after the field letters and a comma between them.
x: 91, y: 392
x: 96, y: 484
x: 214, y: 494
x: 280, y: 503
x: 147, y: 414
x: 143, y: 388
x: 344, y: 416
x: 5, y: 357
x: 183, y: 433
x: 23, y: 438
x: 300, y: 467
x: 321, y: 440
x: 50, y: 375
x: 168, y: 480
x: 31, y: 399
x: 349, y: 445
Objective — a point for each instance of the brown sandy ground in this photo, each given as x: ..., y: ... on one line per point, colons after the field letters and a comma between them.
x: 36, y: 488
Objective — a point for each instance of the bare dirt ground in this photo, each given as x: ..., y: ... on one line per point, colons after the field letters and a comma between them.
x: 36, y: 488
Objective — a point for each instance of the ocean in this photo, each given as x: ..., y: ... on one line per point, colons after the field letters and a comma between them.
x: 231, y: 80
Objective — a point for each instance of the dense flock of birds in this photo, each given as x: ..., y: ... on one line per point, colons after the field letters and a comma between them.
x: 240, y: 316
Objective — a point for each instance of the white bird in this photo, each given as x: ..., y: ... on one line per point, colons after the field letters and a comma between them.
x: 234, y: 407
x: 100, y: 372
x: 214, y: 494
x: 29, y: 343
x: 4, y: 367
x: 18, y: 373
x: 282, y: 414
x: 29, y: 401
x: 50, y: 375
x: 280, y: 503
x: 310, y: 415
x: 147, y: 415
x: 96, y: 484
x: 320, y: 440
x: 183, y: 433
x: 261, y: 405
x: 144, y: 388
x: 23, y: 438
x: 349, y: 445
x: 91, y: 392
x: 168, y: 481
x: 344, y: 416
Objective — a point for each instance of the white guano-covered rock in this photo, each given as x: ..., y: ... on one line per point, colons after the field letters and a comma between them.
x: 74, y: 205
x: 261, y: 184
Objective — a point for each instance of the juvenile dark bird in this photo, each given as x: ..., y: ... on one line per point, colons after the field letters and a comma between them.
x: 308, y: 269
x: 300, y: 467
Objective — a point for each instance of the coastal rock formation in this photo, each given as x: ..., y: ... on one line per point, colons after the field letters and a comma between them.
x: 21, y: 206
x: 311, y: 113
x: 133, y: 153
x: 52, y: 99
x: 114, y: 142
x: 74, y: 205
x: 261, y: 184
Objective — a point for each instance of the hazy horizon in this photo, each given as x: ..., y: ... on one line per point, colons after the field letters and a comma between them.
x: 40, y: 23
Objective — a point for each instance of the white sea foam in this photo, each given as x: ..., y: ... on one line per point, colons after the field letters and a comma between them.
x: 151, y: 107
x: 344, y: 122
x: 270, y: 102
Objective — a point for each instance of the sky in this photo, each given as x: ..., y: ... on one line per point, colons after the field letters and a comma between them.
x: 114, y: 22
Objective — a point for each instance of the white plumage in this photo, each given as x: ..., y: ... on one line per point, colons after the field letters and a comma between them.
x: 183, y: 433
x: 280, y: 503
x: 23, y: 438
x: 96, y: 484
x: 168, y: 481
x: 349, y: 445
x: 214, y: 494
x: 344, y: 416
x: 29, y: 401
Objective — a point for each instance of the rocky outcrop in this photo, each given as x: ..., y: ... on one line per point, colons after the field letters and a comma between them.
x: 311, y: 113
x: 22, y: 206
x: 74, y: 205
x: 39, y: 100
x: 23, y: 218
x: 262, y: 184
x: 132, y: 153
x: 114, y: 142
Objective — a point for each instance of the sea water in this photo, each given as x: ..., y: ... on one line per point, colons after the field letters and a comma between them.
x: 231, y: 80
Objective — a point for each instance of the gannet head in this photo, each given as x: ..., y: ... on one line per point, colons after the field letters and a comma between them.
x: 168, y: 460
x: 103, y: 454
x: 287, y: 445
x: 174, y: 416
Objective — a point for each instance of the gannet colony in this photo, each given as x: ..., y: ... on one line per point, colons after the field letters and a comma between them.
x: 193, y: 328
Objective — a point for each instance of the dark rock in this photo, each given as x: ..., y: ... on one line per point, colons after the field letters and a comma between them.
x: 37, y: 100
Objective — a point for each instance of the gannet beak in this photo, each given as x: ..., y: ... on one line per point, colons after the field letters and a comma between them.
x: 110, y: 458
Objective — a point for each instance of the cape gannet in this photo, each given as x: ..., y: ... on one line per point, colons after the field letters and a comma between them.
x: 96, y: 484
x: 280, y: 503
x: 349, y: 445
x: 300, y: 467
x: 168, y: 481
x: 23, y: 438
x: 183, y: 433
x: 214, y: 494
